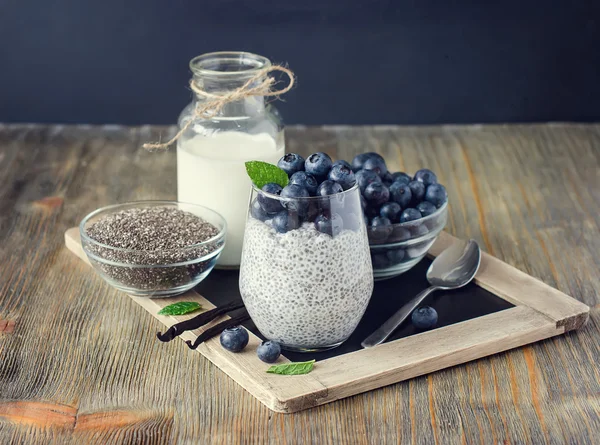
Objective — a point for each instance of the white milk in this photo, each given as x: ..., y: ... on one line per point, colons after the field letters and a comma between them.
x: 211, y: 172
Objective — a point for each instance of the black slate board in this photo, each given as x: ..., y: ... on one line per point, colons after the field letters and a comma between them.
x: 221, y: 286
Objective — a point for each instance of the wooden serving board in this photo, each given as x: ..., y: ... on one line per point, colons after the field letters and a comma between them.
x: 504, y: 309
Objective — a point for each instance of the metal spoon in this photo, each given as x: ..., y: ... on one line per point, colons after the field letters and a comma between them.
x: 455, y: 267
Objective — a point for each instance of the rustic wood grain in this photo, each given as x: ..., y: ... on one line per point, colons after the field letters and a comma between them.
x: 529, y: 194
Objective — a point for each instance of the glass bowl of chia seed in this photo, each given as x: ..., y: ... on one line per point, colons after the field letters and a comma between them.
x: 153, y: 248
x: 405, y: 244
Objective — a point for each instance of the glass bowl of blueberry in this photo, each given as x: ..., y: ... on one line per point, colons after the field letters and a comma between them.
x: 404, y: 214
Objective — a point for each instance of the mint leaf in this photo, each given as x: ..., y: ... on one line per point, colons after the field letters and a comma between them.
x: 262, y: 173
x: 294, y: 368
x: 181, y: 308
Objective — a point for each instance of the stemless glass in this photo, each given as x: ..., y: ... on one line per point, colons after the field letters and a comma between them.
x: 306, y: 276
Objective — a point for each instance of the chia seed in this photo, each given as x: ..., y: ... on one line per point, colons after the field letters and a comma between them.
x: 152, y: 239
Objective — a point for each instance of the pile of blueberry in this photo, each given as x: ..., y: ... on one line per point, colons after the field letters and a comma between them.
x: 390, y: 198
x: 235, y: 339
x: 317, y: 176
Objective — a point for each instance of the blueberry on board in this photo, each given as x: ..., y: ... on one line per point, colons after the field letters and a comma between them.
x: 401, y: 177
x: 318, y: 164
x: 234, y: 339
x: 268, y: 351
x: 270, y: 205
x: 295, y: 205
x: 380, y: 261
x: 359, y: 160
x: 426, y: 208
x: 391, y: 211
x: 291, y: 163
x: 329, y: 224
x: 418, y: 192
x: 396, y: 256
x: 377, y: 165
x: 376, y: 193
x: 342, y: 162
x: 410, y: 214
x: 306, y: 180
x: 380, y: 229
x: 436, y: 194
x: 257, y: 211
x: 365, y: 177
x: 426, y: 176
x: 285, y: 221
x: 424, y: 317
x: 329, y: 187
x: 343, y: 175
x: 401, y: 194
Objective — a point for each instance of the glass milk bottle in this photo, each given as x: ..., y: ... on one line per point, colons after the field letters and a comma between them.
x: 212, y: 151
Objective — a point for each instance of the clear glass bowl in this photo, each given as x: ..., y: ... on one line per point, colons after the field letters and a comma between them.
x: 406, y: 245
x: 304, y: 288
x: 155, y: 273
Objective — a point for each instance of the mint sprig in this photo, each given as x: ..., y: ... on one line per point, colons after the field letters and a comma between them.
x: 181, y: 308
x: 262, y: 173
x: 294, y: 368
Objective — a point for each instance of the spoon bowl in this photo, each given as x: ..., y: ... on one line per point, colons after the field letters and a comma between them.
x: 455, y: 267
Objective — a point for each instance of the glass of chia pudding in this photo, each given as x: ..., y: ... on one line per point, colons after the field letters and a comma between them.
x: 306, y: 276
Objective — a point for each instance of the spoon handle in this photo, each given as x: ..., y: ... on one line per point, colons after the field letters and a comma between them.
x: 392, y: 323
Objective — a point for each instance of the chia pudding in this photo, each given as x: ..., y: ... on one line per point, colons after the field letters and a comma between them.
x: 305, y: 289
x: 151, y: 250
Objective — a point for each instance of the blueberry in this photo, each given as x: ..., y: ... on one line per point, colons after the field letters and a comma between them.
x: 436, y: 194
x: 376, y: 193
x: 395, y: 256
x: 365, y: 177
x: 359, y: 160
x: 268, y: 351
x: 331, y: 225
x: 419, y: 230
x: 342, y: 162
x: 306, y: 180
x: 425, y: 176
x: 410, y: 214
x: 257, y: 211
x: 380, y: 261
x: 401, y: 177
x: 387, y: 178
x: 380, y: 229
x: 400, y: 193
x: 270, y: 205
x: 285, y: 221
x: 329, y: 187
x: 424, y: 317
x: 400, y: 234
x: 418, y: 192
x: 318, y: 164
x: 363, y: 203
x: 391, y: 211
x: 377, y: 165
x: 295, y: 205
x: 343, y: 175
x: 426, y: 208
x: 372, y: 211
x: 234, y: 339
x: 291, y: 163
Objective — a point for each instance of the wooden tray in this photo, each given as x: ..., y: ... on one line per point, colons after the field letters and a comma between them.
x: 506, y: 308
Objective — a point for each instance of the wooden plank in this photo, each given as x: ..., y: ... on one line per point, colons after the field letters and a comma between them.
x: 527, y: 193
x: 519, y: 288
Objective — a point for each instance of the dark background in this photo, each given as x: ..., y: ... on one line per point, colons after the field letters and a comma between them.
x: 358, y: 62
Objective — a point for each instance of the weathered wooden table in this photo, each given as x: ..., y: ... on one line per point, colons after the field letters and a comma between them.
x: 79, y: 363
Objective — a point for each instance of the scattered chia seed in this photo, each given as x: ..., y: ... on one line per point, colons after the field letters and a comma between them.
x: 155, y: 238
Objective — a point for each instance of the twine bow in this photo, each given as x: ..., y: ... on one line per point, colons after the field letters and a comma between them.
x: 215, y: 102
